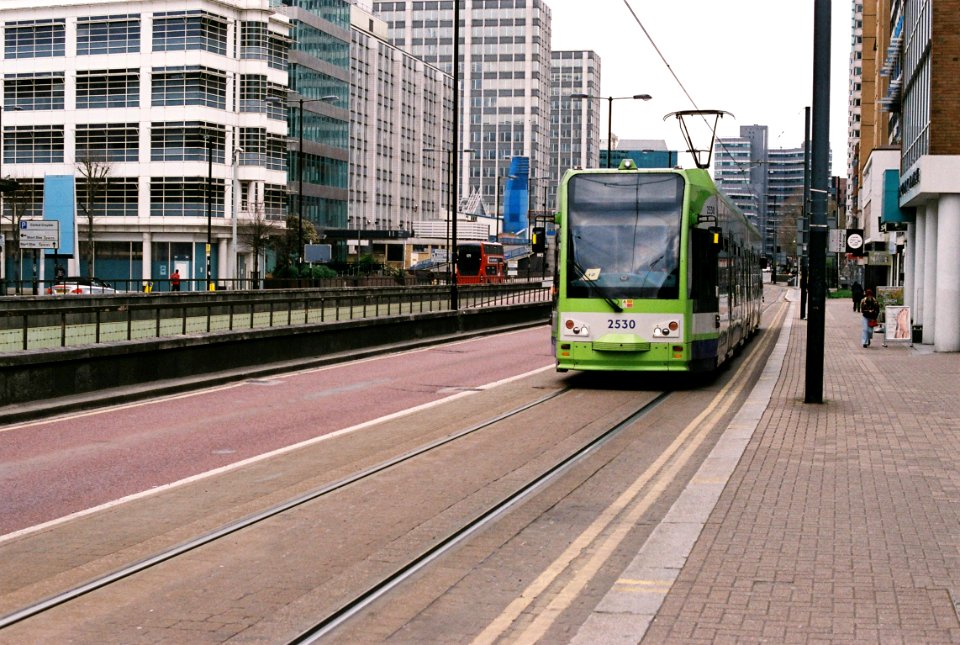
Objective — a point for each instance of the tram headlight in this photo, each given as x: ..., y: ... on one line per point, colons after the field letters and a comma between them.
x: 669, y: 329
x: 576, y: 328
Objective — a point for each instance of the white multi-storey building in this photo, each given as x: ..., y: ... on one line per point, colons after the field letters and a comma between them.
x: 575, y: 123
x: 505, y: 81
x: 179, y: 104
x: 400, y: 132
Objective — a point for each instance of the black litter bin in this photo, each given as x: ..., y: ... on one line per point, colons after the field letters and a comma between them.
x: 918, y: 333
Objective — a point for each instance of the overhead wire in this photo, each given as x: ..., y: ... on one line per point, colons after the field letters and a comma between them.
x: 680, y: 83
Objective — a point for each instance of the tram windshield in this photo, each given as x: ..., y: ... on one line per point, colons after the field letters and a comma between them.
x: 624, y: 235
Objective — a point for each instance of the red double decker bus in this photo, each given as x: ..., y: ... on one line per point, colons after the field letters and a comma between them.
x: 480, y: 263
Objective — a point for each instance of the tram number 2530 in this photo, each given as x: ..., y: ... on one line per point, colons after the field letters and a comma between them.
x: 619, y: 323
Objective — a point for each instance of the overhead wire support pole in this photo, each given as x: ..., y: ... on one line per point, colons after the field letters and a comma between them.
x: 209, y: 208
x: 819, y: 170
x: 454, y: 296
x: 300, y: 195
x: 805, y: 218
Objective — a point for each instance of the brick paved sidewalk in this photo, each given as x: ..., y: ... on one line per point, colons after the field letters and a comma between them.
x: 841, y: 522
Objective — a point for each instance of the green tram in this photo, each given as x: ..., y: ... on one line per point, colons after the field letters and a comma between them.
x: 657, y: 271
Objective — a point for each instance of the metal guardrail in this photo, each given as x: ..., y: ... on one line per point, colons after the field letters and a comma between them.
x: 66, y: 323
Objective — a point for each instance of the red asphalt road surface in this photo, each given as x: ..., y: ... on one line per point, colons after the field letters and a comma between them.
x: 54, y: 468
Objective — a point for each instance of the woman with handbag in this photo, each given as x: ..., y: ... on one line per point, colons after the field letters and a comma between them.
x: 870, y: 310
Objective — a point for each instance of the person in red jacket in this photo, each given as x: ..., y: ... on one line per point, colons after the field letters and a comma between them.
x: 175, y: 280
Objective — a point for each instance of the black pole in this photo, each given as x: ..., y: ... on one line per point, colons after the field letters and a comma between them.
x: 451, y: 270
x: 609, y: 130
x: 300, y: 196
x: 819, y: 185
x: 805, y: 214
x: 454, y: 296
x: 209, y: 207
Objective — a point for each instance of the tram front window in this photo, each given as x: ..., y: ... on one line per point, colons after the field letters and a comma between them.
x: 624, y: 235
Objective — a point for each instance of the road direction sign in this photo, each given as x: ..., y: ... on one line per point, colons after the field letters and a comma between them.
x: 39, y: 234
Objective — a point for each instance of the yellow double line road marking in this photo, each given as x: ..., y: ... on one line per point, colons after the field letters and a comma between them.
x: 661, y: 473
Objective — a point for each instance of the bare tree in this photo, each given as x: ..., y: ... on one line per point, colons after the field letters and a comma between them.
x: 93, y: 188
x: 257, y: 234
x: 19, y: 202
x: 287, y: 244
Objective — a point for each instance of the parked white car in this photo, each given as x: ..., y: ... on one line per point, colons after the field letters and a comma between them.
x: 81, y: 285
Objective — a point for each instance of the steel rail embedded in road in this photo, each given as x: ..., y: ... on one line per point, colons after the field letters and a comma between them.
x: 209, y: 537
x: 331, y: 622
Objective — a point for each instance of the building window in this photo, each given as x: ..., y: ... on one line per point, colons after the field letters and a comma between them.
x: 253, y: 40
x: 193, y: 85
x: 107, y: 142
x: 108, y: 89
x: 35, y: 38
x: 27, y: 199
x: 189, y: 30
x: 258, y: 95
x: 275, y: 202
x: 117, y: 198
x: 186, y: 141
x: 33, y: 144
x: 108, y: 35
x: 276, y: 152
x: 39, y: 91
x: 278, y: 51
x: 185, y: 197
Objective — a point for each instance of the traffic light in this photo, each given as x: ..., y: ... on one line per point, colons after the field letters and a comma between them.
x: 539, y: 239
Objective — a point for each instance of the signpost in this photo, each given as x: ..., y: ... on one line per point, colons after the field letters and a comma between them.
x: 39, y: 234
x: 36, y: 235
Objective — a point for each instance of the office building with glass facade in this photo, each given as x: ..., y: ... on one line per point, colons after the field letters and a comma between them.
x: 319, y: 109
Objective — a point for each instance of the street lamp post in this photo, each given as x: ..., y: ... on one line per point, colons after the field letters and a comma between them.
x: 209, y: 139
x: 610, y: 100
x: 235, y: 207
x: 330, y: 98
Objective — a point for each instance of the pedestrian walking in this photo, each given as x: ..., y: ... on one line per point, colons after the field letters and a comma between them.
x: 856, y: 292
x: 175, y: 280
x: 870, y: 311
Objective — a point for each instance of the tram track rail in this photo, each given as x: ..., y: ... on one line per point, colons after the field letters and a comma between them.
x: 331, y: 622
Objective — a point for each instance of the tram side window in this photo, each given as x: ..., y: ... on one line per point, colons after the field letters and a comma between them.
x: 704, y: 271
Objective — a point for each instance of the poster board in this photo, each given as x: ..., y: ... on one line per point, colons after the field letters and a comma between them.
x: 897, y: 327
x: 889, y: 296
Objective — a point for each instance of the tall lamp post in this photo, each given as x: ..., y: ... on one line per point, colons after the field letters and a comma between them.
x: 235, y: 208
x: 610, y: 100
x: 329, y: 98
x: 209, y: 140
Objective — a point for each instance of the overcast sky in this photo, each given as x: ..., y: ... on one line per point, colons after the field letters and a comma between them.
x: 753, y: 58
